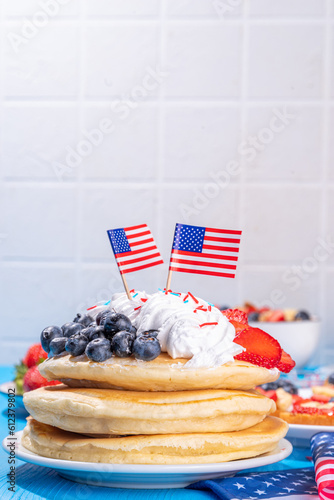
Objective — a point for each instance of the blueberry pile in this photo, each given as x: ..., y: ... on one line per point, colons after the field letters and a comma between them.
x: 109, y: 334
x: 283, y: 383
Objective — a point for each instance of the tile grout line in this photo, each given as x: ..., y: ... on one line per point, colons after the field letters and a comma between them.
x: 244, y: 120
x: 161, y: 131
x: 325, y: 165
x: 92, y: 183
x: 170, y: 101
x: 80, y: 121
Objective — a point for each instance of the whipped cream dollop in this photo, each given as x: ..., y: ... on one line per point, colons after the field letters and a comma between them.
x: 188, y: 327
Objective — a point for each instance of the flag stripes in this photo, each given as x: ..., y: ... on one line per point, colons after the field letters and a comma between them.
x: 132, y: 246
x: 203, y: 250
x: 322, y: 446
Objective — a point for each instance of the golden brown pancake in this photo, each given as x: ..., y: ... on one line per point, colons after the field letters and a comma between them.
x: 161, y: 374
x: 107, y: 411
x: 51, y: 442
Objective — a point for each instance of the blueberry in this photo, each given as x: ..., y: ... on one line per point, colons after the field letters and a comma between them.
x: 83, y: 319
x: 149, y: 333
x: 271, y: 386
x: 133, y: 330
x: 121, y: 344
x: 57, y: 346
x: 123, y: 323
x: 70, y: 329
x: 330, y: 379
x: 253, y: 316
x: 76, y: 344
x: 224, y: 307
x: 331, y: 400
x: 285, y: 384
x: 302, y: 316
x: 115, y: 322
x: 146, y: 348
x: 49, y: 333
x: 93, y: 332
x: 288, y: 386
x: 101, y: 316
x: 98, y: 350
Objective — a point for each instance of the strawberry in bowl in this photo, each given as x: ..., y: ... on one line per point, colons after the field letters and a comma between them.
x: 296, y: 330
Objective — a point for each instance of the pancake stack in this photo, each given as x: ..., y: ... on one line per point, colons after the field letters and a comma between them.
x: 125, y: 411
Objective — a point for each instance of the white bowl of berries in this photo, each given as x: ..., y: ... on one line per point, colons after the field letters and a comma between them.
x: 297, y: 331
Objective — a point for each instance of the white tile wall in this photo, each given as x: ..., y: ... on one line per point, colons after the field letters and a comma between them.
x: 294, y: 151
x: 195, y: 52
x: 129, y: 152
x: 296, y: 9
x: 197, y: 135
x: 286, y: 61
x: 117, y: 112
x: 180, y: 9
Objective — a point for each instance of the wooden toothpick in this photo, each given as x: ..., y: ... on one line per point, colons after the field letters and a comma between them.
x: 169, y: 279
x: 126, y: 286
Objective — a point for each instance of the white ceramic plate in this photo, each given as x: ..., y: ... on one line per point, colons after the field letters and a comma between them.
x: 299, y: 431
x: 11, y: 385
x: 146, y: 476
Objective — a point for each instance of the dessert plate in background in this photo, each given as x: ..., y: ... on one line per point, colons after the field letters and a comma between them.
x: 300, y: 431
x: 11, y: 385
x: 146, y: 476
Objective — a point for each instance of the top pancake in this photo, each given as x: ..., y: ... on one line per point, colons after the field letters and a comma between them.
x: 161, y: 374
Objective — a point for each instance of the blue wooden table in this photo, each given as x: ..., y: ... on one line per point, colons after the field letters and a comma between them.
x: 34, y: 482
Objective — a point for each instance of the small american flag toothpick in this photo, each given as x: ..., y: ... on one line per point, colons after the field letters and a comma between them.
x: 134, y: 249
x: 204, y: 250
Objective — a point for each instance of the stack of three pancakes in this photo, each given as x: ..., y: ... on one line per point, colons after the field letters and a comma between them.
x: 157, y: 412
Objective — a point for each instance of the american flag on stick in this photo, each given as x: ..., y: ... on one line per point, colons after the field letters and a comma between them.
x: 134, y: 249
x: 205, y: 250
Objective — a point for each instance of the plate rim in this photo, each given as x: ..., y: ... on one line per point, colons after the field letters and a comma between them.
x: 283, y: 450
x: 4, y: 388
x: 319, y: 428
x: 302, y: 432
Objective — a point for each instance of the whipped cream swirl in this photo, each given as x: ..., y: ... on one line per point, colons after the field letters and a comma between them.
x: 188, y: 327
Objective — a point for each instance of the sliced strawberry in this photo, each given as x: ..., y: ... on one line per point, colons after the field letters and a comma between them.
x: 276, y: 316
x: 249, y: 308
x: 311, y: 410
x: 271, y: 394
x: 286, y: 363
x: 320, y: 398
x: 239, y: 327
x: 296, y: 399
x: 236, y: 315
x: 261, y: 348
